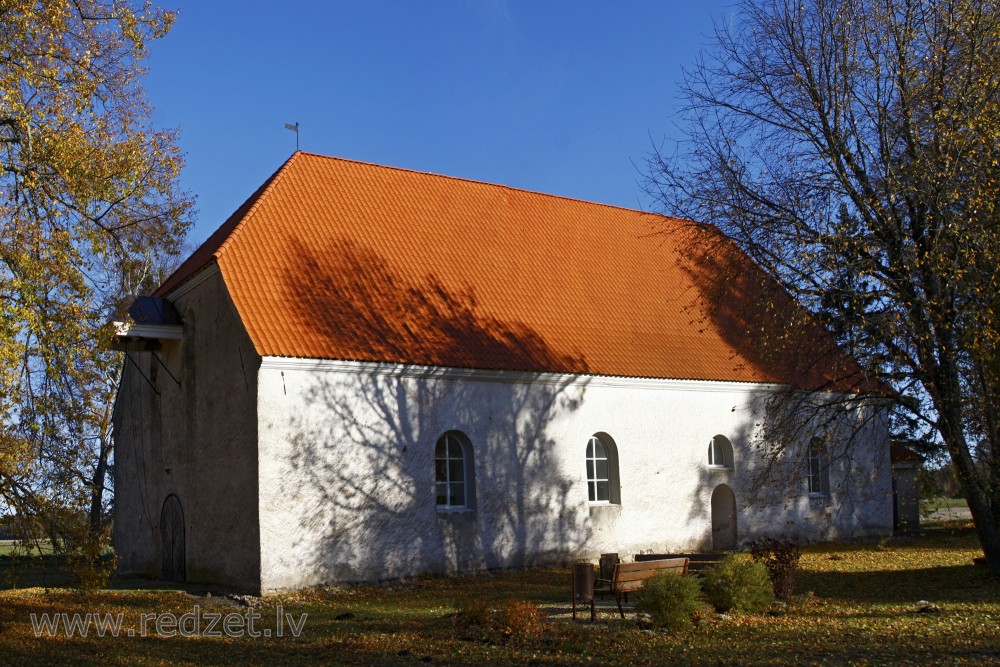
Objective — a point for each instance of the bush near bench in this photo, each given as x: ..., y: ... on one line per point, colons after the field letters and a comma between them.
x: 670, y: 599
x: 739, y: 584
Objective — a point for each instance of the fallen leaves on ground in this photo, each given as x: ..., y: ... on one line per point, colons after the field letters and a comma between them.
x: 862, y: 603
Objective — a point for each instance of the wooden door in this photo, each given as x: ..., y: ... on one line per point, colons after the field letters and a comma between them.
x: 172, y: 559
x: 723, y: 518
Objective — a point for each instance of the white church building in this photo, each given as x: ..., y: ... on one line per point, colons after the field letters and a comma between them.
x: 370, y: 373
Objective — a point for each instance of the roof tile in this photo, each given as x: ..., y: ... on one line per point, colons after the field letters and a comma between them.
x: 337, y: 259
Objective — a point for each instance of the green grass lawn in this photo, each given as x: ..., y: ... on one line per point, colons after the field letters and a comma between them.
x: 862, y: 610
x: 931, y: 504
x: 10, y: 547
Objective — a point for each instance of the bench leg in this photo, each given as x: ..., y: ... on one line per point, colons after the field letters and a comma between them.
x: 593, y: 610
x: 618, y: 599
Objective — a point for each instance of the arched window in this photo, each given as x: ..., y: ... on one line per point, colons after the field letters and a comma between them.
x: 819, y: 468
x: 454, y: 472
x: 602, y: 470
x: 720, y: 452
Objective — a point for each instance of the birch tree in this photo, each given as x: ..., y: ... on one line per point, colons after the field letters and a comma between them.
x: 88, y: 189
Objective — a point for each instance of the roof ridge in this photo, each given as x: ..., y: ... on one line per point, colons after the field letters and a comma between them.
x: 487, y: 183
x: 216, y: 243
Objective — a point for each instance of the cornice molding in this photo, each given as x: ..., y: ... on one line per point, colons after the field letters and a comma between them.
x: 511, y: 377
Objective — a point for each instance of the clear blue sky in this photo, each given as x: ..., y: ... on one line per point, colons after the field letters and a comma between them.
x: 559, y: 97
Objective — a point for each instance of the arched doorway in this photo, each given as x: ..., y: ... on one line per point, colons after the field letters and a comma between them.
x: 723, y: 518
x: 172, y: 563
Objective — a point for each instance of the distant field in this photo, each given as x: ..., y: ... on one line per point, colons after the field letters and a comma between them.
x: 931, y: 504
x: 7, y: 548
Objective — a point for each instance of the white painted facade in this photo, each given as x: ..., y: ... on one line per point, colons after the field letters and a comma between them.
x: 297, y: 472
x: 346, y: 483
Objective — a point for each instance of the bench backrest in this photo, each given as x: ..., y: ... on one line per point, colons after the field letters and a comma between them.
x: 632, y: 576
x: 696, y: 562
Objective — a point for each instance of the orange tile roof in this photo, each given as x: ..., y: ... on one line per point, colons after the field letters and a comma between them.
x: 336, y: 259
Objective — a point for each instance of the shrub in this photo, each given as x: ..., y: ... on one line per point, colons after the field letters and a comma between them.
x: 475, y: 611
x: 739, y: 584
x: 669, y: 599
x: 781, y: 558
x: 504, y: 619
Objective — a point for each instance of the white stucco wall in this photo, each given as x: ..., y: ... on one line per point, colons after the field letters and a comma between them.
x: 346, y: 456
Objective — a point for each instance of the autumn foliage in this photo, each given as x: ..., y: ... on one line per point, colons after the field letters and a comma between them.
x: 503, y: 620
x: 852, y: 148
x: 88, y: 202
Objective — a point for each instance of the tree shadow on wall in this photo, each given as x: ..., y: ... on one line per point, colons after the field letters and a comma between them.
x: 708, y: 479
x: 753, y: 490
x: 820, y: 390
x: 362, y: 452
x: 771, y: 488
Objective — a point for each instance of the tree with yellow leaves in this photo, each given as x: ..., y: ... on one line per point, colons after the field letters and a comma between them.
x: 88, y: 193
x: 852, y: 147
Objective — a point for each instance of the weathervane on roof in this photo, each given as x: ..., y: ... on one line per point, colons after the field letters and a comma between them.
x: 294, y: 127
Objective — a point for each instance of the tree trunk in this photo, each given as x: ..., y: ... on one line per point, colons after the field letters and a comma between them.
x: 980, y: 505
x: 97, y: 489
x: 992, y: 427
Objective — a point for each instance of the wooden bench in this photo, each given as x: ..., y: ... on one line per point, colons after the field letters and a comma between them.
x: 697, y: 563
x: 630, y: 577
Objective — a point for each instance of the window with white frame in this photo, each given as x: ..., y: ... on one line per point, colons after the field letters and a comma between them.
x: 720, y: 453
x: 453, y: 472
x: 819, y: 468
x: 602, y: 471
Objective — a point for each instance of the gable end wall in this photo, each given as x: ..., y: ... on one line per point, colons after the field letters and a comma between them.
x: 195, y: 437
